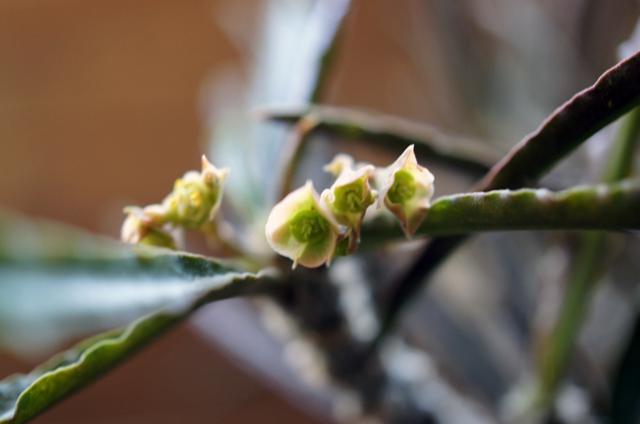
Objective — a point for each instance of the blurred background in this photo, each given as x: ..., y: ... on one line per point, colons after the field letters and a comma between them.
x: 104, y: 103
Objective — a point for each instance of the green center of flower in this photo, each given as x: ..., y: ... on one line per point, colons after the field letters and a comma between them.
x: 309, y: 226
x: 191, y: 201
x: 349, y: 198
x: 403, y: 188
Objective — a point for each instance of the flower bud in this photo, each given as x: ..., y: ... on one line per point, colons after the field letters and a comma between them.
x: 196, y: 197
x: 406, y: 190
x: 140, y: 228
x: 338, y: 164
x: 300, y: 228
x: 350, y: 195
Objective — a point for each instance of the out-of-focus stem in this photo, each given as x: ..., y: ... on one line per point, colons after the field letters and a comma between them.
x: 394, y: 133
x: 615, y: 93
x: 585, y: 271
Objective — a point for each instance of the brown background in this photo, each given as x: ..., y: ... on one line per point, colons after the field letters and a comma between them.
x: 99, y: 107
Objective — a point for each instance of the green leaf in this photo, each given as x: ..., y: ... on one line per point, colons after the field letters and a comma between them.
x: 24, y: 396
x: 57, y: 282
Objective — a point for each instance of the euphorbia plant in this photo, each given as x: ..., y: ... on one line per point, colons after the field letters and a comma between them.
x: 368, y: 206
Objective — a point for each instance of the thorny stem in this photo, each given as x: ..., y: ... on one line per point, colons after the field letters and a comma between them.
x: 587, y: 268
x: 613, y: 94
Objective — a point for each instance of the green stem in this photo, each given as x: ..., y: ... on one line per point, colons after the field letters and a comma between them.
x: 293, y: 152
x: 393, y: 133
x: 621, y: 160
x: 606, y: 207
x: 585, y: 271
x: 558, y: 348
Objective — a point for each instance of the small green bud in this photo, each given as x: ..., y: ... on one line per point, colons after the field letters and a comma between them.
x: 406, y: 190
x: 158, y: 237
x: 300, y: 228
x: 350, y: 195
x: 196, y: 197
x: 144, y: 226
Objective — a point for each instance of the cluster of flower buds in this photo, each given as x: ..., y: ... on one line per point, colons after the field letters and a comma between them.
x: 312, y: 229
x: 194, y: 201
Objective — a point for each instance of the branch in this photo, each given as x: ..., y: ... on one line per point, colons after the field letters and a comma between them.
x: 391, y: 132
x: 602, y: 207
x: 613, y: 94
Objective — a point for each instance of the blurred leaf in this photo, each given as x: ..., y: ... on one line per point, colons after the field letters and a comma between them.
x: 58, y: 283
x: 288, y: 63
x: 24, y: 396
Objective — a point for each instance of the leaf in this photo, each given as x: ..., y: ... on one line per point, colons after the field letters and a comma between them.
x: 291, y: 51
x: 391, y: 132
x: 58, y: 283
x: 59, y: 280
x: 24, y: 396
x: 599, y: 207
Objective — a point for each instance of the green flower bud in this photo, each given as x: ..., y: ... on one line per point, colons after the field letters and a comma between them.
x: 143, y: 226
x: 406, y: 189
x: 300, y: 228
x: 196, y: 197
x: 350, y: 195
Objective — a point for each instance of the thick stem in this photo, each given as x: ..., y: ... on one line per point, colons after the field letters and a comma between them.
x: 607, y: 207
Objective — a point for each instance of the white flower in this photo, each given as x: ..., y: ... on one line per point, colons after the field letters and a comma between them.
x: 406, y: 190
x: 350, y: 195
x: 300, y: 228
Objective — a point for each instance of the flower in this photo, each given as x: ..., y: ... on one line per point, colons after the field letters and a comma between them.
x: 350, y: 195
x: 300, y: 228
x: 196, y: 197
x: 406, y: 190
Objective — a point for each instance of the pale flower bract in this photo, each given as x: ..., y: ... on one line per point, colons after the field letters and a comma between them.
x: 406, y: 190
x: 300, y: 228
x: 350, y: 195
